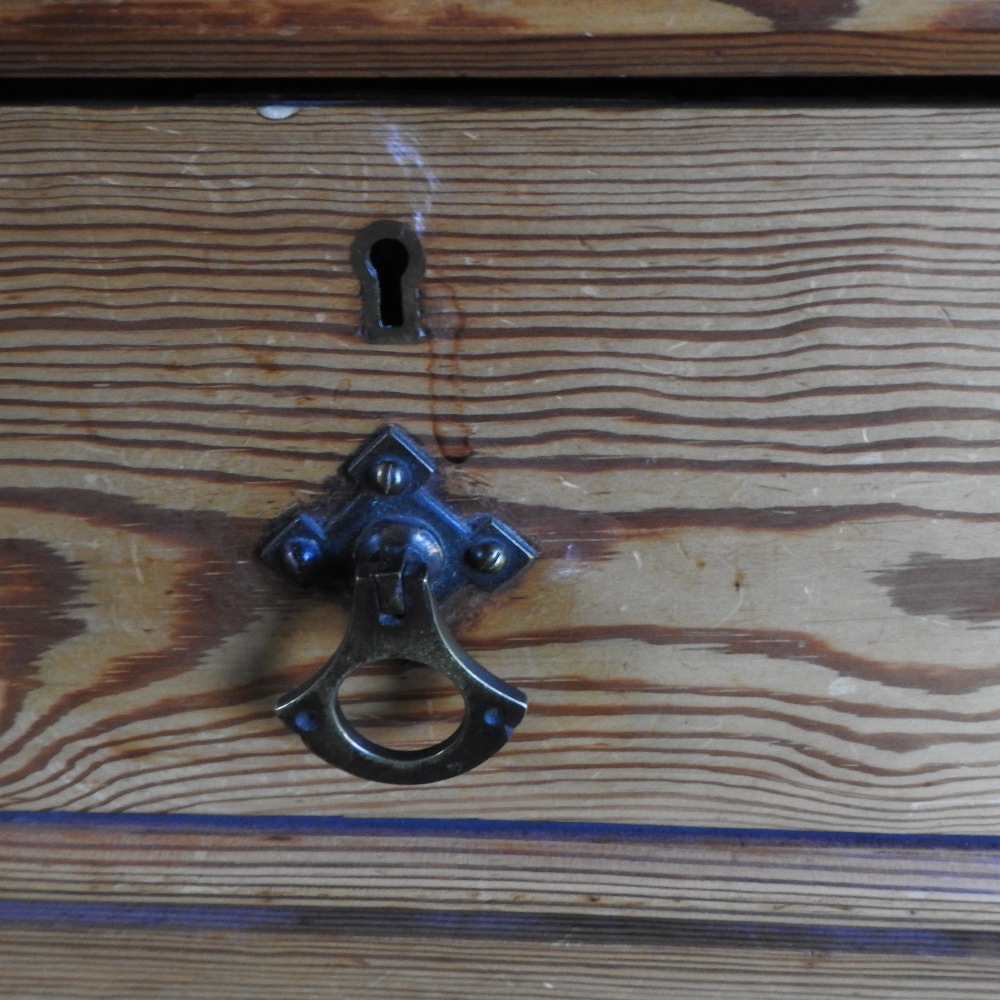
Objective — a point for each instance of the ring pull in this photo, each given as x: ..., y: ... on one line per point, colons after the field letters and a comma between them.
x: 408, y: 551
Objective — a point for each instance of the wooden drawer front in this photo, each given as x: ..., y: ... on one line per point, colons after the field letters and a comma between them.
x: 497, y: 38
x: 733, y: 370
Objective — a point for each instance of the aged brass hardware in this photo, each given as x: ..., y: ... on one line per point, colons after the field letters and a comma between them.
x: 405, y: 551
x: 389, y: 261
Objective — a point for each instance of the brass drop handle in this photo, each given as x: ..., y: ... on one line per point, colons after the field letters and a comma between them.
x: 492, y: 708
x: 408, y: 551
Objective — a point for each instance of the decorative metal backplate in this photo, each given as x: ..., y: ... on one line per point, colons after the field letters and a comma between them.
x: 404, y: 550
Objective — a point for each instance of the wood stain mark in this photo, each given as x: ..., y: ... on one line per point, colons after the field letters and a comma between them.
x: 773, y: 644
x: 968, y: 17
x: 473, y: 925
x: 242, y: 19
x: 220, y: 594
x: 446, y: 327
x: 237, y: 19
x: 800, y: 15
x: 933, y: 586
x: 598, y: 536
x: 38, y: 591
x: 459, y: 17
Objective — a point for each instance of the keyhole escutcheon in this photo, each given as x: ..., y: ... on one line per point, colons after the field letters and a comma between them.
x: 389, y: 261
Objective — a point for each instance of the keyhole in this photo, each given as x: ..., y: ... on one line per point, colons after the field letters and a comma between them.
x: 388, y: 261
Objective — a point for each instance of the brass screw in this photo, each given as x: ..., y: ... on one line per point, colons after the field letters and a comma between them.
x: 301, y: 554
x: 487, y: 557
x: 389, y: 477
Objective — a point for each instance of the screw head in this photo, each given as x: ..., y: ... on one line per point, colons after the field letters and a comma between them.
x: 301, y: 554
x: 493, y: 717
x: 487, y: 557
x: 305, y: 721
x: 388, y: 477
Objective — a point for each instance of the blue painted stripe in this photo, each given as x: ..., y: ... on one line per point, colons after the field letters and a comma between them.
x: 389, y: 921
x: 499, y: 829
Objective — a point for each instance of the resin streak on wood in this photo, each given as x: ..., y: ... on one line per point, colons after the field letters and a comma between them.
x: 733, y: 370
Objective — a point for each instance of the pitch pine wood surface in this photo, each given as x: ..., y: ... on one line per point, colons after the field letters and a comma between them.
x: 392, y: 960
x: 134, y: 907
x: 497, y: 37
x: 354, y: 870
x: 733, y: 370
x: 386, y: 961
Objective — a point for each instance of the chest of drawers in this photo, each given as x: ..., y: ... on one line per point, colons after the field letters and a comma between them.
x: 731, y: 367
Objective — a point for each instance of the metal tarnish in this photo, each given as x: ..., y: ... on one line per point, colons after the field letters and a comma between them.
x: 408, y: 330
x: 405, y: 550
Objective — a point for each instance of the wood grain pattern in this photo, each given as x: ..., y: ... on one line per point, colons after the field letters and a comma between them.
x: 136, y: 908
x: 52, y: 960
x: 734, y: 370
x: 545, y: 872
x: 497, y: 37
